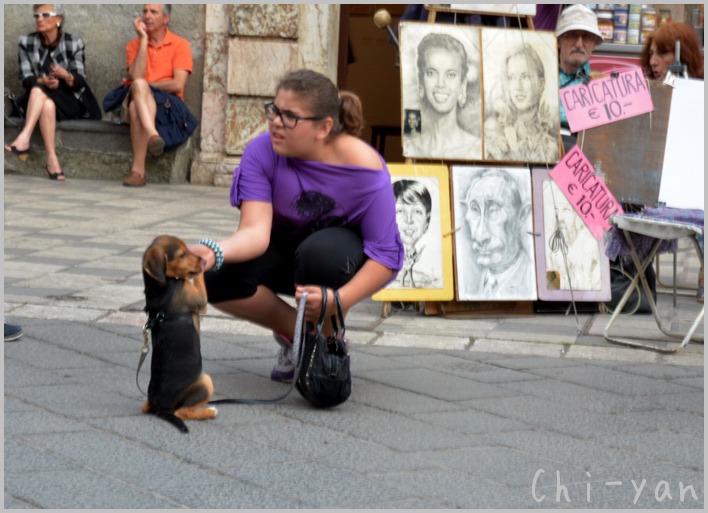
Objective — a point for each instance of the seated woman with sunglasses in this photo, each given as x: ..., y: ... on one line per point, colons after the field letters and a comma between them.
x: 52, y: 73
x: 317, y: 209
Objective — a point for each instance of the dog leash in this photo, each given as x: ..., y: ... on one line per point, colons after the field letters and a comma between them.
x: 298, y: 348
x: 146, y: 347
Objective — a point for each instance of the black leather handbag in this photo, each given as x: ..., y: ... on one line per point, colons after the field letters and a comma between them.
x: 324, y: 376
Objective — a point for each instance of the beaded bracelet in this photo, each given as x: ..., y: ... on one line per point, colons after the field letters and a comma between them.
x: 218, y: 253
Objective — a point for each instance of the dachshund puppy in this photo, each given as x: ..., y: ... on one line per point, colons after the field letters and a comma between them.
x: 174, y: 298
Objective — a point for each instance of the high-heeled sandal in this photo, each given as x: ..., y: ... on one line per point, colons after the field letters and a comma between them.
x: 21, y: 154
x: 59, y: 177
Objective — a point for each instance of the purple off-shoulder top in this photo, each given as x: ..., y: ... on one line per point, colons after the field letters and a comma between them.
x: 308, y: 195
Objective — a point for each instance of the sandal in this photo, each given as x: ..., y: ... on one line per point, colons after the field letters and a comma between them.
x: 59, y: 177
x: 21, y: 154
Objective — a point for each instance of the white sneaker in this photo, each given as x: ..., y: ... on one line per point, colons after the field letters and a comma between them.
x: 284, y: 370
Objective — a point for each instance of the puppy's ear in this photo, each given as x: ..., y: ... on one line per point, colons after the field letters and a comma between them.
x: 154, y: 263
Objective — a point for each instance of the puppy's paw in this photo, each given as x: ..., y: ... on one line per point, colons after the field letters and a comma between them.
x: 213, y: 410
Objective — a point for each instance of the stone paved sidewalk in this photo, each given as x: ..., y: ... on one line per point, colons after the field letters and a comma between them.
x: 73, y: 252
x: 516, y: 412
x: 424, y: 428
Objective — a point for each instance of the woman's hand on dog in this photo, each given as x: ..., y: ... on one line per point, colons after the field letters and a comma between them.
x: 207, y: 255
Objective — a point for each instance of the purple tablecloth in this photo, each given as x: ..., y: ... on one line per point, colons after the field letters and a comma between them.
x: 617, y: 245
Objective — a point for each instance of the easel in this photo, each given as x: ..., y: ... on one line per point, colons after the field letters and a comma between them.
x: 436, y: 307
x: 433, y: 9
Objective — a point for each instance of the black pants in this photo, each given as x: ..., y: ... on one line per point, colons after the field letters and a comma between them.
x: 329, y: 258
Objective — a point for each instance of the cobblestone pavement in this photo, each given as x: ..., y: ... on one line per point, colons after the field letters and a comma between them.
x: 517, y: 412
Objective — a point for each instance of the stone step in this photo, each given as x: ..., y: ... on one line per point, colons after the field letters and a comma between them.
x: 98, y: 150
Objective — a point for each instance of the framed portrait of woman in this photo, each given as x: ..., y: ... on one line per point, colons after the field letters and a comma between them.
x: 521, y: 103
x: 571, y: 264
x: 494, y: 249
x: 440, y: 85
x: 422, y: 195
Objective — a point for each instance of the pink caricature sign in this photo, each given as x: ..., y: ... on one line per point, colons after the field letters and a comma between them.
x: 586, y: 191
x: 605, y: 100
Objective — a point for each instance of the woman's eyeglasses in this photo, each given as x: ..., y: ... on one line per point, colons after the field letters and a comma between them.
x: 288, y: 119
x: 44, y: 15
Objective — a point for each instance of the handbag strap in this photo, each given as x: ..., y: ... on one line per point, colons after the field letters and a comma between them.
x: 323, y: 311
x: 338, y: 317
x: 338, y: 322
x: 298, y: 348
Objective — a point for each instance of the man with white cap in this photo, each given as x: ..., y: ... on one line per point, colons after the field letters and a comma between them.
x: 578, y: 35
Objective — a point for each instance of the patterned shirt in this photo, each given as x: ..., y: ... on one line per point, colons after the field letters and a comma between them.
x: 36, y: 59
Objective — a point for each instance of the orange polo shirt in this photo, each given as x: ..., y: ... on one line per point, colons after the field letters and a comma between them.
x: 173, y: 53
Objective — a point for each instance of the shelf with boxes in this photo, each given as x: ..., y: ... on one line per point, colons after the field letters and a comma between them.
x: 631, y: 24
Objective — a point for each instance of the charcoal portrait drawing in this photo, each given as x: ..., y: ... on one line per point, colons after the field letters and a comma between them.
x: 521, y: 97
x: 566, y: 234
x: 416, y: 200
x: 494, y: 244
x: 441, y: 79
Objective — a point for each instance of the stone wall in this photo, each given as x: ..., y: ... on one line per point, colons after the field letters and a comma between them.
x: 248, y: 48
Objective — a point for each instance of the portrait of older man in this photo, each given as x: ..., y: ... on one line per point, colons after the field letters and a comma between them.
x: 494, y: 256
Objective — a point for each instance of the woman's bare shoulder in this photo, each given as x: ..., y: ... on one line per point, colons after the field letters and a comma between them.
x: 355, y: 152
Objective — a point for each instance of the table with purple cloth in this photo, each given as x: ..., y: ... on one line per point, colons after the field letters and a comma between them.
x: 642, y: 235
x: 656, y: 218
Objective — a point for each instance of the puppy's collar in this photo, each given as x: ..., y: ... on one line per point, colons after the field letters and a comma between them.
x: 160, y: 317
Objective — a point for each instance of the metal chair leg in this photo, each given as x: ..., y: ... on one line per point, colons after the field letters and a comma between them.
x: 641, y: 277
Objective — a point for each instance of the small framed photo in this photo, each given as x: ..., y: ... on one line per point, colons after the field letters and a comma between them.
x: 494, y: 250
x: 441, y: 94
x: 568, y: 256
x: 423, y: 216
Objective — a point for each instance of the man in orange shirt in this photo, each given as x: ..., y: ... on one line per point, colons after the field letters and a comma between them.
x: 159, y: 63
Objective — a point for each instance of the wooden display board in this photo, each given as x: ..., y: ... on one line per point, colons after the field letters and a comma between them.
x: 423, y: 210
x: 526, y: 11
x: 632, y: 150
x: 477, y: 308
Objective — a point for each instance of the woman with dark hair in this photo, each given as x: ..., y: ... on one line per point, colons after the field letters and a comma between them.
x: 317, y: 209
x: 52, y: 72
x: 658, y: 52
x: 520, y: 125
x: 443, y: 77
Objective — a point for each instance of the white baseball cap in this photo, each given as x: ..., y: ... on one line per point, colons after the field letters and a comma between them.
x: 578, y: 17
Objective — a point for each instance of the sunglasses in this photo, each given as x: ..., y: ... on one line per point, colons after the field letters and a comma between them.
x: 45, y: 15
x: 573, y: 35
x: 288, y: 119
